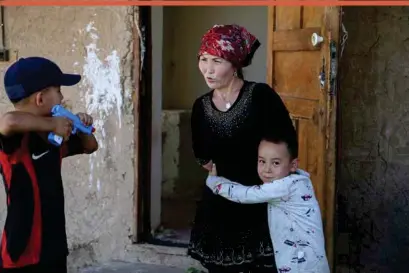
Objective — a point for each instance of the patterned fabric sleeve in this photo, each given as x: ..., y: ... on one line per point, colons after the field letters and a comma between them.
x: 249, y: 195
x: 200, y: 135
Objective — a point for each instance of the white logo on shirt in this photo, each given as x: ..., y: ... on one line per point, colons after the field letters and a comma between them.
x: 35, y: 157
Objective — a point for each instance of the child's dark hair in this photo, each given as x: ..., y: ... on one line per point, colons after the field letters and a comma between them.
x: 290, y: 141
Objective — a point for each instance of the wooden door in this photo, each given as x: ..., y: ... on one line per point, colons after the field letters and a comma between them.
x: 305, y: 77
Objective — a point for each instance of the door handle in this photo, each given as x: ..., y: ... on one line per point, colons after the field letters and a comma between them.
x: 316, y: 39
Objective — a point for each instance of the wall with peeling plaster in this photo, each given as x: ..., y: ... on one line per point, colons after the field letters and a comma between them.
x: 374, y: 156
x: 95, y: 42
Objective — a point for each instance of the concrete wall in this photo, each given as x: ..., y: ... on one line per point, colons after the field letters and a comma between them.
x: 374, y: 158
x: 182, y: 176
x: 95, y: 42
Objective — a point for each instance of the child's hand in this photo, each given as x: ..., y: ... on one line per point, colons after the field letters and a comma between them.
x: 85, y: 119
x: 62, y: 127
x: 213, y: 170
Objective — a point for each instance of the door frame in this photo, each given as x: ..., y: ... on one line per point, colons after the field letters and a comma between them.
x: 332, y: 29
x: 142, y: 113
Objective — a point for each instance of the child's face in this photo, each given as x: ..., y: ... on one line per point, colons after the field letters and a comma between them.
x: 274, y: 161
x: 46, y: 99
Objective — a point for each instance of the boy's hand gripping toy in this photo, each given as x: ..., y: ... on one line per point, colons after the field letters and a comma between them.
x: 59, y: 111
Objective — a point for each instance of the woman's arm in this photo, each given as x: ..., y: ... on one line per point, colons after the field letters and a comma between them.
x: 200, y: 136
x: 249, y: 195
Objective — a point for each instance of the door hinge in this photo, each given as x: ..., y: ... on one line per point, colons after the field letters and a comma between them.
x: 322, y: 74
x: 333, y: 68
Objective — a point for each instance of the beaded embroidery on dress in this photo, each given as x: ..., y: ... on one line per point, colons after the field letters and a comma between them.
x: 224, y: 124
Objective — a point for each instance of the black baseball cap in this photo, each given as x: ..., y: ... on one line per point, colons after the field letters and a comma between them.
x: 30, y: 75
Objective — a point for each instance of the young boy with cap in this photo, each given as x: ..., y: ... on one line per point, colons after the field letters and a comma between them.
x: 34, y: 237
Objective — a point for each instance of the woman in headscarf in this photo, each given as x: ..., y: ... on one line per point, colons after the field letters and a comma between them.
x: 227, y: 125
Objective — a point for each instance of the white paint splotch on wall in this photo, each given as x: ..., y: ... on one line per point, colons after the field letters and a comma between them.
x: 103, y: 91
x: 102, y: 79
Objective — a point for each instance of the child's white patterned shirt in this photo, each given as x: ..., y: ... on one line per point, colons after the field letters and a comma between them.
x: 294, y: 219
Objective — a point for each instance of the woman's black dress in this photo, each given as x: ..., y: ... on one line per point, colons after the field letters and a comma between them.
x: 226, y: 234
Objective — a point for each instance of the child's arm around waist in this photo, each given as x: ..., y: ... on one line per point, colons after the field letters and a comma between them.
x: 249, y: 194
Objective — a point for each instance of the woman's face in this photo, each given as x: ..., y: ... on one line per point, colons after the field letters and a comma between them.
x: 218, y: 72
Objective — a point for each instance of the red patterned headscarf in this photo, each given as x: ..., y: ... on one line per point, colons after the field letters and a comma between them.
x: 230, y: 42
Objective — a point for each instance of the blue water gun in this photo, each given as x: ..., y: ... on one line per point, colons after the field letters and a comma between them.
x: 59, y: 111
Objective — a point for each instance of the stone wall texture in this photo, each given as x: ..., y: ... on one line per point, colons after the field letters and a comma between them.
x: 374, y: 156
